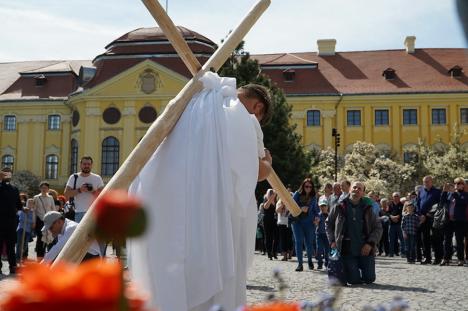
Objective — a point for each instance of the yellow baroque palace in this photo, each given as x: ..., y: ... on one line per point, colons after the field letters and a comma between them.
x: 54, y: 112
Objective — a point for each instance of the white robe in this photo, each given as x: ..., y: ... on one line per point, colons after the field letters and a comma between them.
x: 198, y: 190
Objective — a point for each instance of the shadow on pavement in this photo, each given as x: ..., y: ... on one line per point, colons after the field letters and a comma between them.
x: 262, y: 288
x: 395, y: 288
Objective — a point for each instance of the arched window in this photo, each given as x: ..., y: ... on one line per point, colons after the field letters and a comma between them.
x: 110, y: 156
x: 51, y: 171
x: 73, y: 156
x: 8, y: 161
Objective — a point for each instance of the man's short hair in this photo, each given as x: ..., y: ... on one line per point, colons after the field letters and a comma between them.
x: 44, y: 183
x: 6, y: 169
x: 262, y: 94
x: 347, y: 182
x: 86, y: 157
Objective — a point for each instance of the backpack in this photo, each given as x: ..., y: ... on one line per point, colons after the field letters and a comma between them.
x: 335, y: 269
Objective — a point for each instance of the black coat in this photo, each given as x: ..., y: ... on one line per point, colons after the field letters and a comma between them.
x: 10, y: 204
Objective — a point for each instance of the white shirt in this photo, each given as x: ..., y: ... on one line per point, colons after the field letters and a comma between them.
x: 84, y: 200
x: 67, y: 230
x: 43, y: 204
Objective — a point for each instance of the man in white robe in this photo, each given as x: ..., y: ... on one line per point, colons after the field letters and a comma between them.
x: 198, y: 189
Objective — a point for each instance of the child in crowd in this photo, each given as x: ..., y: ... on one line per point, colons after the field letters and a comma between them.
x: 409, y: 226
x: 323, y: 247
x: 24, y: 230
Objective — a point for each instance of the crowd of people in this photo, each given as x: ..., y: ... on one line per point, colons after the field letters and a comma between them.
x: 419, y: 226
x: 48, y: 217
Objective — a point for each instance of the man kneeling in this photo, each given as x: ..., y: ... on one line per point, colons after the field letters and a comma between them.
x: 62, y: 229
x: 354, y: 230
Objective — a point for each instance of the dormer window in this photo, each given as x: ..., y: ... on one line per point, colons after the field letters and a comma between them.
x: 389, y: 74
x: 40, y: 80
x: 456, y: 71
x: 289, y: 75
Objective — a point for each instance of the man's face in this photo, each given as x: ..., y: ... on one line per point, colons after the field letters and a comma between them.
x: 396, y: 198
x: 427, y: 181
x: 5, y: 175
x: 344, y: 186
x: 44, y: 189
x: 357, y: 191
x: 56, y: 227
x: 86, y: 166
x: 460, y: 186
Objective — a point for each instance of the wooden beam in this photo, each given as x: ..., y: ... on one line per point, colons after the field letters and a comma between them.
x: 192, y: 63
x: 79, y: 242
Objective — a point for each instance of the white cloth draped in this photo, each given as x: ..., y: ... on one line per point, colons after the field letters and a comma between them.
x: 198, y: 190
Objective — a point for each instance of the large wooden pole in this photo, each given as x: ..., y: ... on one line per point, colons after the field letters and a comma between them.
x: 79, y: 242
x: 180, y: 45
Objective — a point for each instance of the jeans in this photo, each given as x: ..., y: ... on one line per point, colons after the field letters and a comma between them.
x: 395, y: 232
x: 304, y: 230
x: 359, y: 269
x: 457, y: 227
x: 79, y: 216
x: 19, y: 240
x: 323, y: 248
x: 424, y: 240
x: 384, y: 245
x: 411, y: 247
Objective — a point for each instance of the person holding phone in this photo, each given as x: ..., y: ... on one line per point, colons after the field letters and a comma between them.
x: 10, y: 204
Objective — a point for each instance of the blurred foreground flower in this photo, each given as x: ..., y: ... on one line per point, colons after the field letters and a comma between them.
x: 274, y: 306
x: 118, y: 216
x: 92, y: 286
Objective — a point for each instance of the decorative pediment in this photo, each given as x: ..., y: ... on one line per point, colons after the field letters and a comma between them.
x: 52, y: 149
x: 8, y: 150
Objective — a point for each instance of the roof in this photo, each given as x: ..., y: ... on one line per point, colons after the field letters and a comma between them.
x: 12, y: 84
x: 156, y: 34
x: 426, y: 70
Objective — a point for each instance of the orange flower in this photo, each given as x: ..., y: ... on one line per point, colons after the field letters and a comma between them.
x: 118, y: 216
x: 274, y: 306
x: 94, y: 285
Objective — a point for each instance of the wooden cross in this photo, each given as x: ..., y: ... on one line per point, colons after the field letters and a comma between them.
x: 79, y: 242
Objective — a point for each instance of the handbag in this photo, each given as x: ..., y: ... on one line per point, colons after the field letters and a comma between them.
x: 335, y: 268
x: 441, y: 216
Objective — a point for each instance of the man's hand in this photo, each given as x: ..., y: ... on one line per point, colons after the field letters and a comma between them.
x: 366, y: 249
x: 305, y: 209
x: 316, y: 221
x: 333, y: 245
x: 422, y: 219
x: 405, y: 236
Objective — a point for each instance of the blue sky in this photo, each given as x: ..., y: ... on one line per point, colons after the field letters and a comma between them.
x: 79, y: 29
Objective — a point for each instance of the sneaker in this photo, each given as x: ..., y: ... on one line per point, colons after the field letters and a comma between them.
x: 299, y: 268
x: 445, y: 262
x: 311, y: 265
x: 460, y: 263
x: 426, y: 262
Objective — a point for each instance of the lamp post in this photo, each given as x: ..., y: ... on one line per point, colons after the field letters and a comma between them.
x: 337, y: 144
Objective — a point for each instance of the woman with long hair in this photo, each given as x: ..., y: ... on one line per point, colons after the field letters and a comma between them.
x: 303, y: 227
x: 269, y: 223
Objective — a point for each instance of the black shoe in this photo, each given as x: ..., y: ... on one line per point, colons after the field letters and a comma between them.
x: 311, y: 265
x: 320, y: 266
x: 444, y: 263
x: 299, y: 268
x: 426, y: 262
x: 12, y: 270
x: 437, y: 262
x: 274, y: 256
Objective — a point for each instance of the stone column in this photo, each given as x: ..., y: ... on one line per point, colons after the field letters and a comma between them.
x: 129, y: 134
x: 90, y: 141
x: 327, y: 116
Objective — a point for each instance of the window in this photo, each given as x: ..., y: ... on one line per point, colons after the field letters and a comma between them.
x: 354, y: 117
x: 111, y: 115
x: 73, y: 156
x: 7, y: 161
x: 464, y: 115
x: 147, y: 114
x: 289, y: 75
x: 110, y: 156
x: 438, y: 116
x: 410, y: 116
x: 51, y: 167
x: 54, y: 122
x: 9, y: 123
x: 313, y: 117
x: 381, y: 117
x: 410, y: 157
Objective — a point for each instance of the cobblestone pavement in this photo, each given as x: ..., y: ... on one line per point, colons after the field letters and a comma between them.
x: 424, y: 287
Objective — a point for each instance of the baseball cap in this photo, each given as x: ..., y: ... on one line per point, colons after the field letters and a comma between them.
x: 49, y: 219
x: 323, y: 202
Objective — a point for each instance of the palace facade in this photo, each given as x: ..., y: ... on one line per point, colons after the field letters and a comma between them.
x: 53, y: 112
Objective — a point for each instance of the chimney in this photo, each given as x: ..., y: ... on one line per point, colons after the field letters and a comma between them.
x: 326, y: 47
x: 409, y: 44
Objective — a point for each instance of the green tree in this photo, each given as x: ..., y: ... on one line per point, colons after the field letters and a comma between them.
x: 290, y: 161
x: 26, y: 182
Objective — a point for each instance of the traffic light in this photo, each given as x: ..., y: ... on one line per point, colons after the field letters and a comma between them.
x: 337, y: 139
x: 334, y: 131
